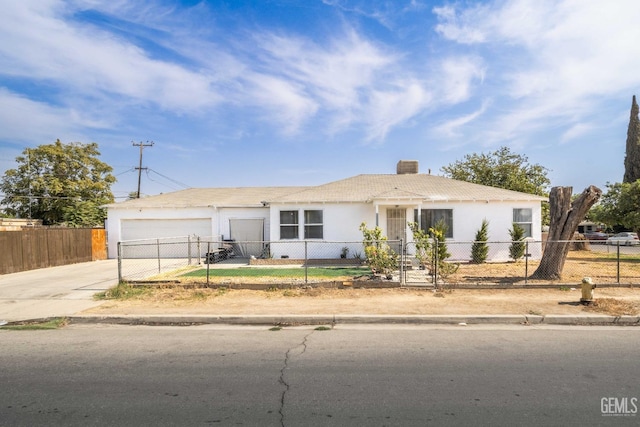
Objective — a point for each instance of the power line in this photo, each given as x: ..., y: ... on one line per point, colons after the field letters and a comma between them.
x: 170, y: 179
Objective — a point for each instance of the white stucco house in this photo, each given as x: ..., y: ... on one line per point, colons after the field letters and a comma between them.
x: 328, y: 212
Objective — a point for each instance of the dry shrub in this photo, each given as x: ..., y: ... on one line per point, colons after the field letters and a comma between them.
x: 613, y: 307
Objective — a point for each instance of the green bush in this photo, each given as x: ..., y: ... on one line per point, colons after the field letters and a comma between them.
x: 479, y: 248
x: 517, y: 247
x: 379, y: 256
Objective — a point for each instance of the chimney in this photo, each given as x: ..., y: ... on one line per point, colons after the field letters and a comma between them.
x: 407, y: 167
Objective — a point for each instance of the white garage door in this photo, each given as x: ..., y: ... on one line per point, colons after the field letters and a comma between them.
x: 137, y: 229
x: 248, y: 234
x: 151, y: 231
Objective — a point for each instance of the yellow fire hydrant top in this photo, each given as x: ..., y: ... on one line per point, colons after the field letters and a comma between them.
x: 587, y: 290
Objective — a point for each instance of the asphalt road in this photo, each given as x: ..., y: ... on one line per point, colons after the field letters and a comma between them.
x: 359, y: 375
x: 612, y: 249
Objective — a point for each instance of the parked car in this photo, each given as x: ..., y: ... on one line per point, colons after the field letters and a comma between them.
x: 596, y: 235
x: 625, y: 238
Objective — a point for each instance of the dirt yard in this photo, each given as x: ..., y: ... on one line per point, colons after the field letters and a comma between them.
x: 396, y: 301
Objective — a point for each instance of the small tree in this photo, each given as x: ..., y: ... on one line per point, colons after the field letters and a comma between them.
x: 479, y: 248
x: 422, y: 241
x: 516, y: 250
x: 439, y: 232
x: 378, y: 254
x: 431, y: 248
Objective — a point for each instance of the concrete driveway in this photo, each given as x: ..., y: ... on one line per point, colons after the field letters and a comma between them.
x: 56, y: 291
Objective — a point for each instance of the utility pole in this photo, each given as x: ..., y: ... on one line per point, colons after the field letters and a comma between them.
x: 139, y: 168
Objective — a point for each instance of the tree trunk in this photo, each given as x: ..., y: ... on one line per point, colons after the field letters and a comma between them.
x: 565, y: 217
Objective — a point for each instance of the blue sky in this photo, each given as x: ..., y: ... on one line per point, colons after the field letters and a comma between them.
x: 284, y: 92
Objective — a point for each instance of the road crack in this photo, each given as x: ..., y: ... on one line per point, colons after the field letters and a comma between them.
x: 283, y: 381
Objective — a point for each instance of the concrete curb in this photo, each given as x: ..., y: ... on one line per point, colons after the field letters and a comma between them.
x: 293, y: 320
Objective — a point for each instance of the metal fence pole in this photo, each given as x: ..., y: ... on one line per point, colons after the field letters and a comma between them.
x: 306, y: 262
x: 402, y: 258
x: 199, y: 251
x: 119, y: 262
x: 435, y: 261
x: 158, y: 244
x: 207, y: 260
x: 189, y: 249
x: 618, y: 262
x: 526, y: 261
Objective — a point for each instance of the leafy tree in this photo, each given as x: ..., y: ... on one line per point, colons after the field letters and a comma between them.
x: 503, y: 169
x: 379, y: 255
x: 479, y: 248
x: 619, y: 206
x: 59, y: 183
x: 632, y: 157
x: 517, y: 247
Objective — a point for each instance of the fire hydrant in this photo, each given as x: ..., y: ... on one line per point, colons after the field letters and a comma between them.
x: 587, y: 291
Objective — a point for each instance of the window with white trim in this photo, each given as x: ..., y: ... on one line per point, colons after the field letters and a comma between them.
x: 289, y: 225
x: 524, y: 218
x: 430, y: 217
x: 313, y: 225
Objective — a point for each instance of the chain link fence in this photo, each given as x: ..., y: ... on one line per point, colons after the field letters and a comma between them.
x: 453, y: 264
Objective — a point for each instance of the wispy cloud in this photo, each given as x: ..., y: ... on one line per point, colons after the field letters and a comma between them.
x: 84, y: 59
x: 470, y: 74
x: 451, y: 128
x: 550, y: 57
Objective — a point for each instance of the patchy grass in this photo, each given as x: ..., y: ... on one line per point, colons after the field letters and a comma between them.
x: 614, y: 307
x: 295, y: 272
x: 124, y: 291
x: 49, y: 324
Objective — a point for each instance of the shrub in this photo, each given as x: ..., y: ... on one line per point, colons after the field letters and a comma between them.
x: 516, y: 250
x: 377, y: 252
x: 422, y: 241
x: 479, y: 248
x: 431, y: 246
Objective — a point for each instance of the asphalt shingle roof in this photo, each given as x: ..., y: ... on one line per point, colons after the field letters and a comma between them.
x: 360, y: 188
x: 203, y: 197
x: 423, y: 187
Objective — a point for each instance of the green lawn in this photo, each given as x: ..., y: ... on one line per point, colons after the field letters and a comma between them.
x: 326, y: 272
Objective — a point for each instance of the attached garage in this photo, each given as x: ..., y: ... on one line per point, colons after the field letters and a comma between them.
x: 144, y: 235
x: 239, y: 213
x: 141, y: 229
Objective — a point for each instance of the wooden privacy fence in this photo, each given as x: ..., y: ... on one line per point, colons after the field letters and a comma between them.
x: 29, y: 249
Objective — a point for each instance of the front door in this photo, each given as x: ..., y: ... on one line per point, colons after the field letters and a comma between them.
x: 396, y: 227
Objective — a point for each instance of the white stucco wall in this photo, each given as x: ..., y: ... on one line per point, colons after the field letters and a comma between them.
x: 342, y: 221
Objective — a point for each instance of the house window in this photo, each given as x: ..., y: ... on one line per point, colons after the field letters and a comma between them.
x: 313, y: 228
x: 430, y: 217
x: 288, y: 224
x: 523, y: 217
